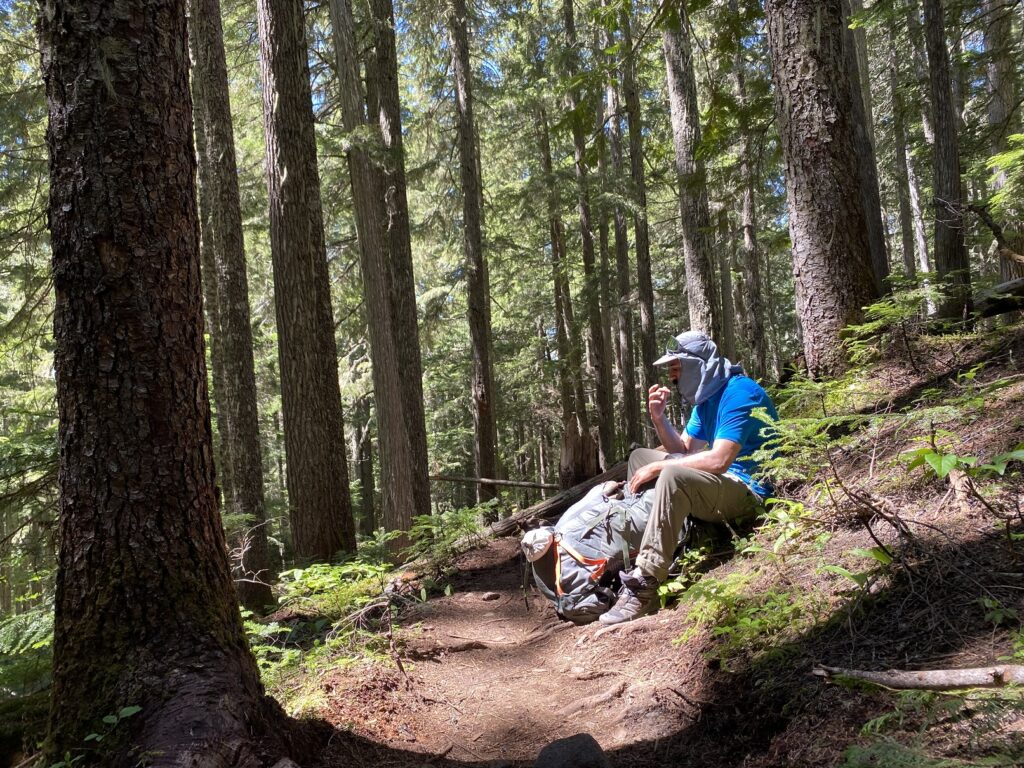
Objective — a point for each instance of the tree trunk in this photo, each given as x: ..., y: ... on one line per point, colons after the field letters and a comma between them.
x: 579, y: 454
x: 478, y: 296
x: 624, y: 299
x: 951, y: 262
x: 900, y: 150
x: 599, y: 351
x: 397, y: 480
x: 831, y: 255
x: 726, y: 251
x: 1002, y: 89
x: 404, y: 320
x: 145, y: 608
x: 917, y: 56
x: 211, y: 312
x: 644, y: 282
x: 318, y: 493
x: 751, y: 322
x: 701, y: 277
x: 860, y: 100
x: 362, y: 452
x: 223, y: 234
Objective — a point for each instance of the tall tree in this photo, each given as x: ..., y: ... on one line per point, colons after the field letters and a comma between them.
x: 900, y: 150
x: 859, y: 73
x: 951, y: 261
x: 477, y: 289
x: 751, y: 318
x: 145, y: 609
x: 382, y: 80
x: 579, y: 454
x: 831, y: 255
x: 314, y: 437
x: 397, y: 468
x: 701, y: 276
x: 624, y: 294
x: 594, y: 277
x: 222, y: 235
x: 644, y: 282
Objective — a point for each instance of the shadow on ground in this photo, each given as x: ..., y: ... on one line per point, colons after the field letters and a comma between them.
x: 931, y: 613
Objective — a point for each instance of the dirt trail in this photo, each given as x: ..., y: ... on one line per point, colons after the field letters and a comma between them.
x: 492, y: 681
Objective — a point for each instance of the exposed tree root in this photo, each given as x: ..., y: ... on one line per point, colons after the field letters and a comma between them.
x: 932, y: 679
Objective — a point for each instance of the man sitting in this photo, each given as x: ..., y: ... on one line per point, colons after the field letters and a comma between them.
x: 714, y: 485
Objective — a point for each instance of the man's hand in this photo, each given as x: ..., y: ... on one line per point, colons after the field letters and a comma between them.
x: 657, y: 399
x: 644, y: 475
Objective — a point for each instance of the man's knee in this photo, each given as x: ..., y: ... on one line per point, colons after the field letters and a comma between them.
x: 679, y: 477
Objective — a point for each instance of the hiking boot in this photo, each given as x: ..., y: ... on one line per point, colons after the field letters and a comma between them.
x: 638, y: 597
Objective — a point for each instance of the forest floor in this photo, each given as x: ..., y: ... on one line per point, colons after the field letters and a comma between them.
x: 487, y: 675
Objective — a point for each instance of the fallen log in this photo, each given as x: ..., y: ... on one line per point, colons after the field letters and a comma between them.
x: 556, y: 505
x: 932, y: 679
x: 1000, y: 299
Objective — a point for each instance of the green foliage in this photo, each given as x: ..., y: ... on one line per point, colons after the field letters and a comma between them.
x: 745, y: 620
x: 438, y: 538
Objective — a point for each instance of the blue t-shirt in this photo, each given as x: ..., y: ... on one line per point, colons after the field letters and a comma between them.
x: 727, y: 416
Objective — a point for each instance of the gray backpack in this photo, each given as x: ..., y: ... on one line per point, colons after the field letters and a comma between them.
x: 591, y: 542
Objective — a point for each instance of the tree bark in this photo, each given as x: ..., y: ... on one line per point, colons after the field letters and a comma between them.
x: 951, y: 262
x: 318, y: 494
x: 831, y: 256
x: 478, y: 297
x: 397, y: 479
x: 701, y: 278
x: 145, y: 608
x: 624, y: 299
x: 860, y: 100
x: 223, y: 235
x: 644, y: 282
x: 404, y: 319
x: 599, y: 347
x: 726, y: 251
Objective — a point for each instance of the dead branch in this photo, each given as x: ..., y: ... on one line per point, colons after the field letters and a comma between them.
x: 932, y: 679
x: 1005, y: 251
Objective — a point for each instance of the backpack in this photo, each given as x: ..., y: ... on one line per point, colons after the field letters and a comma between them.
x: 591, y: 542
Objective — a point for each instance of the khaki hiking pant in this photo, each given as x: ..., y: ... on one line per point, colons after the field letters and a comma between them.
x: 679, y: 492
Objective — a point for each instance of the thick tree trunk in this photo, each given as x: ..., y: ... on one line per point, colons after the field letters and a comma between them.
x: 644, y: 282
x: 624, y: 298
x: 404, y: 320
x: 145, y: 608
x: 701, y: 278
x: 951, y: 261
x: 752, y: 321
x: 397, y: 480
x: 592, y: 293
x: 223, y: 233
x: 1002, y: 89
x: 477, y: 292
x: 860, y: 100
x: 831, y: 255
x: 318, y: 493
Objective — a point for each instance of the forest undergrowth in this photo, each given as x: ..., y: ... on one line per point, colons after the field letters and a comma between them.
x: 895, y: 542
